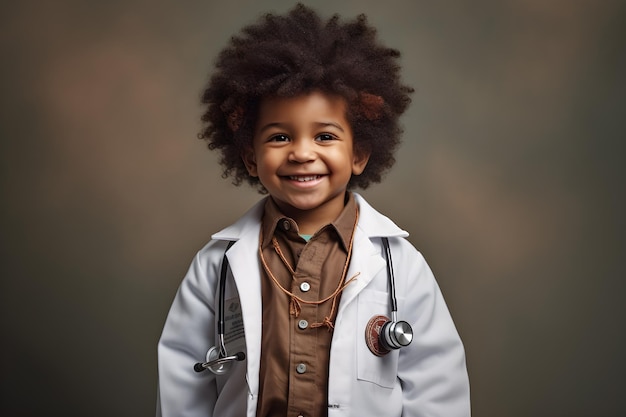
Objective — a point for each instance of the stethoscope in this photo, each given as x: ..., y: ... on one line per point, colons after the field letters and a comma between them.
x: 217, y: 359
x: 392, y: 334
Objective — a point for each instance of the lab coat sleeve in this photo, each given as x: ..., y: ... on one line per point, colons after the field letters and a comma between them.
x: 432, y: 368
x: 188, y: 333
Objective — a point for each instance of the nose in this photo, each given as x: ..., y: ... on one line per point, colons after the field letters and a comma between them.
x: 302, y: 150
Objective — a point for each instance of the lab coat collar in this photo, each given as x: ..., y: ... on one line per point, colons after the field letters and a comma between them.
x: 374, y: 224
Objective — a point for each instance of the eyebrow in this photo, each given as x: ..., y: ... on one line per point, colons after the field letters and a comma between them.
x: 335, y: 125
x: 316, y: 124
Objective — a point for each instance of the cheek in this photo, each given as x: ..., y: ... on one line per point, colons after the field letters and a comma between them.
x: 343, y: 158
x: 268, y: 161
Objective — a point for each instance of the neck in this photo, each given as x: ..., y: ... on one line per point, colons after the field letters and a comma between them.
x: 310, y: 226
x: 310, y: 221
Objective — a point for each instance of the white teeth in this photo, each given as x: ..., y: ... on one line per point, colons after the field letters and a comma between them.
x: 304, y: 179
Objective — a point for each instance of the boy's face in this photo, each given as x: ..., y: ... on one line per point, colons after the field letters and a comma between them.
x: 303, y: 153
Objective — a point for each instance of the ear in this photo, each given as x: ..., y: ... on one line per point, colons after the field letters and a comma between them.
x: 359, y: 162
x: 249, y: 160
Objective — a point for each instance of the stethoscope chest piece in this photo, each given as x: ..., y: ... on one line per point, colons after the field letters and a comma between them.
x: 383, y: 335
x: 396, y: 334
x: 219, y: 368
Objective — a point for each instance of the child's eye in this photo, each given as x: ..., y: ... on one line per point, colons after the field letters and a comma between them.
x: 325, y: 137
x: 279, y: 138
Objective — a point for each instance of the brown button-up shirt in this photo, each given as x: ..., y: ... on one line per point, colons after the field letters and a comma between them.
x: 295, y: 350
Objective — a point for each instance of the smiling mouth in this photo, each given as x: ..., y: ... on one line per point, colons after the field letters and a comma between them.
x: 304, y: 178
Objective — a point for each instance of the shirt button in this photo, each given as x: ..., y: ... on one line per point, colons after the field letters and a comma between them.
x: 305, y: 286
x: 301, y: 368
x: 303, y: 324
x: 286, y: 225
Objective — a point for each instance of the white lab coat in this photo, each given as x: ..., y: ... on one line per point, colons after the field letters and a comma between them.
x: 426, y: 378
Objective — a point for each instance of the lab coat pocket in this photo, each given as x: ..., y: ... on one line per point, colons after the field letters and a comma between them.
x: 380, y: 370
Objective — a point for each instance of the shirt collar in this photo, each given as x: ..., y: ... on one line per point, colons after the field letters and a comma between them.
x: 344, y: 224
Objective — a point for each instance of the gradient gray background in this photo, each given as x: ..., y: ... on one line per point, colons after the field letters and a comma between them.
x: 510, y: 181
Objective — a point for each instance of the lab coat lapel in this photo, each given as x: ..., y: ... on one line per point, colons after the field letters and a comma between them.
x: 365, y: 263
x: 367, y: 260
x: 244, y: 264
x: 245, y: 267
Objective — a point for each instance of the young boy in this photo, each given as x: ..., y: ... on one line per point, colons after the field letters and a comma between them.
x: 297, y: 301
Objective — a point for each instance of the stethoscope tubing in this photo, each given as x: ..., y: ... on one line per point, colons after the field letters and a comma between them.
x: 392, y: 280
x: 221, y: 325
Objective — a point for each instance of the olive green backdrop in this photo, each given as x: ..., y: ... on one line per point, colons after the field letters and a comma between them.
x: 510, y: 180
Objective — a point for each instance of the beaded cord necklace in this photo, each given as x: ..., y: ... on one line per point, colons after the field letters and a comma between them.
x: 295, y: 301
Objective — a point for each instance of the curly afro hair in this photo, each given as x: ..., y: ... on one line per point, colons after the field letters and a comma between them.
x: 295, y: 54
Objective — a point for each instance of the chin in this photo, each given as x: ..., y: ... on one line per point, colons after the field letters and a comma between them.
x: 305, y: 205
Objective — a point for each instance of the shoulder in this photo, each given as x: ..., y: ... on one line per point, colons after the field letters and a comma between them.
x: 210, y: 252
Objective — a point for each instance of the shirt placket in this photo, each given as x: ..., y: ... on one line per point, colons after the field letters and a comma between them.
x: 303, y: 343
